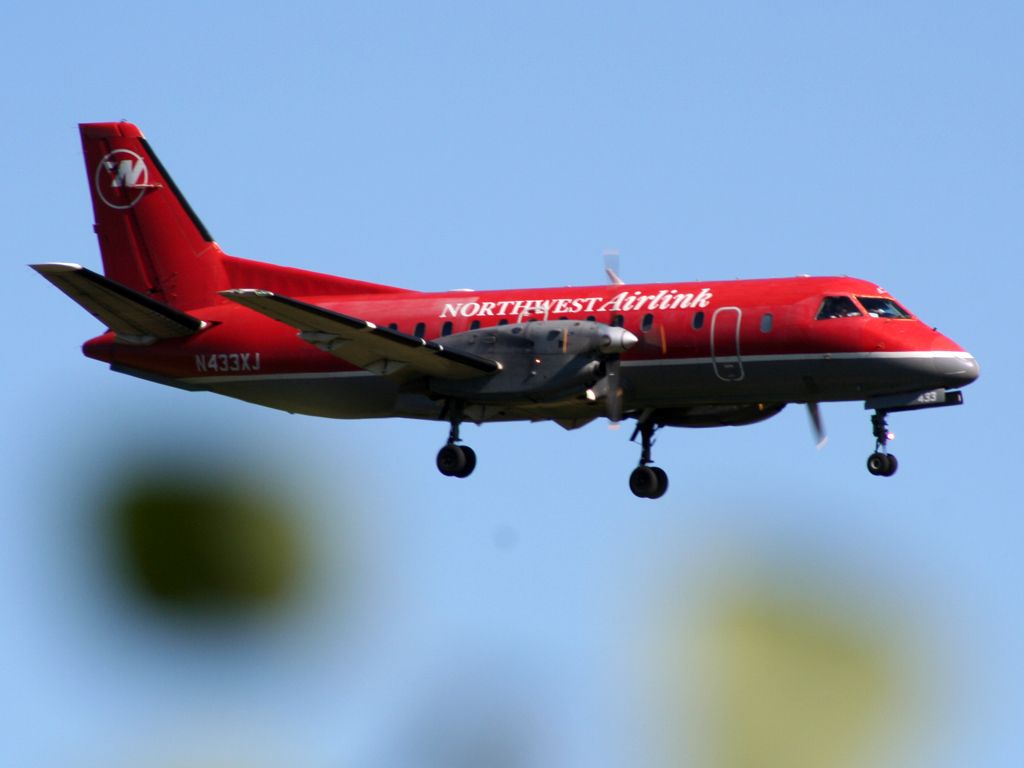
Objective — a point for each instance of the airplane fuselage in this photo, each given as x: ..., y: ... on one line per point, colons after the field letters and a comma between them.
x: 700, y: 344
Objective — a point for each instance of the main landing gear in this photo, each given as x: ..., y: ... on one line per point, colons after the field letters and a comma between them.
x: 881, y: 463
x: 646, y: 481
x: 455, y: 460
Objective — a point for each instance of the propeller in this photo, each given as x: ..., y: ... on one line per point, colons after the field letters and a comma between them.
x: 814, y: 411
x: 611, y: 267
x: 613, y: 397
x: 614, y: 340
x: 609, y: 387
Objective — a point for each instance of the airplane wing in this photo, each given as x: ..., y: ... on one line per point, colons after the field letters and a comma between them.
x: 362, y: 343
x: 133, y: 316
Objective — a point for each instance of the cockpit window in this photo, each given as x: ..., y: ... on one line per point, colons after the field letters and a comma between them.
x: 838, y: 306
x: 881, y: 307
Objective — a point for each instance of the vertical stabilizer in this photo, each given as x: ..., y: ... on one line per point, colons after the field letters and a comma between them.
x: 150, y: 238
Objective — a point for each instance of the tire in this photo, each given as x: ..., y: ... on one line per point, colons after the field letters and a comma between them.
x: 891, y: 466
x: 451, y: 460
x: 877, y: 464
x: 662, y: 477
x: 643, y: 481
x: 470, y: 458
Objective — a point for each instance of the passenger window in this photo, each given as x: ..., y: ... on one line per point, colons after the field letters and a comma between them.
x: 421, y: 330
x: 766, y: 322
x: 503, y: 321
x: 446, y: 328
x: 617, y: 321
x: 474, y: 325
x: 591, y: 319
x: 698, y: 321
x: 393, y: 326
x: 648, y: 321
x: 882, y: 307
x: 838, y: 306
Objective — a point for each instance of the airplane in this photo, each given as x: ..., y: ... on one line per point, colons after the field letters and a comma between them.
x: 181, y: 312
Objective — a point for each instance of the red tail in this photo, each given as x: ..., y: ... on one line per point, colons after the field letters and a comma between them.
x: 150, y: 238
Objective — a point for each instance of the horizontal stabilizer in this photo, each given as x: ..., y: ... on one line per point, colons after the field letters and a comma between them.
x: 362, y: 343
x: 133, y: 316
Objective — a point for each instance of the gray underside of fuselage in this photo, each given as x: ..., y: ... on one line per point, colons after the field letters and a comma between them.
x: 660, y: 384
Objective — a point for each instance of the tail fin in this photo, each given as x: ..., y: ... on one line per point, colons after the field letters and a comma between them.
x: 150, y: 238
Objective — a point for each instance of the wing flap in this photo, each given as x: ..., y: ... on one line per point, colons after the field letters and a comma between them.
x: 360, y: 342
x: 133, y: 316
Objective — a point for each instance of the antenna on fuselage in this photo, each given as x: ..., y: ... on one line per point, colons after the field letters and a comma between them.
x: 611, y: 266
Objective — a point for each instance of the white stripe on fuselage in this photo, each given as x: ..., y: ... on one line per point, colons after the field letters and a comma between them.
x: 804, y: 357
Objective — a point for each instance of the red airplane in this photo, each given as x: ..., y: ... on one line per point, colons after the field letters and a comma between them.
x: 182, y: 312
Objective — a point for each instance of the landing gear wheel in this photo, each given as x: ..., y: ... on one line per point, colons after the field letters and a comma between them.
x: 470, y: 456
x: 451, y: 460
x: 662, y: 483
x: 642, y: 481
x: 648, y: 482
x: 879, y: 463
x: 882, y: 464
x: 876, y: 463
x: 456, y: 460
x: 893, y: 464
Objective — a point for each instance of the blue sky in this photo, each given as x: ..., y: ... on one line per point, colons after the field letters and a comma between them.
x: 447, y: 145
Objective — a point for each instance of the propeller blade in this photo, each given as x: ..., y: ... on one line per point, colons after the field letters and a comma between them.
x: 613, y: 393
x: 814, y: 411
x: 611, y: 267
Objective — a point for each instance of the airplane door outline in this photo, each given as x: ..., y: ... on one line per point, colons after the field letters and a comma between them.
x: 725, y: 343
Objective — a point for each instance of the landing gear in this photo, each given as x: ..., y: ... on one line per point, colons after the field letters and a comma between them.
x: 646, y: 481
x: 455, y: 460
x: 881, y: 463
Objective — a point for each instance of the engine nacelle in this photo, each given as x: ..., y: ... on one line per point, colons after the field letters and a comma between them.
x: 542, y: 361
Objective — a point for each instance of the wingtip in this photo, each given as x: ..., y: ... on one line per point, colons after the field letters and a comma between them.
x: 56, y: 267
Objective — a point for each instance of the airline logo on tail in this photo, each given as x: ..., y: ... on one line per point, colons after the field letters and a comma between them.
x: 122, y: 178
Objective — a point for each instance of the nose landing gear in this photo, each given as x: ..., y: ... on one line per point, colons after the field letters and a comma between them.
x: 455, y: 460
x: 881, y: 463
x: 646, y: 481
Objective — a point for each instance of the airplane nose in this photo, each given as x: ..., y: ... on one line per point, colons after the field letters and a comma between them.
x: 957, y: 369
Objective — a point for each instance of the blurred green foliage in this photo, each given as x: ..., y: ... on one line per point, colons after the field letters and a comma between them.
x: 794, y: 684
x: 207, y: 541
